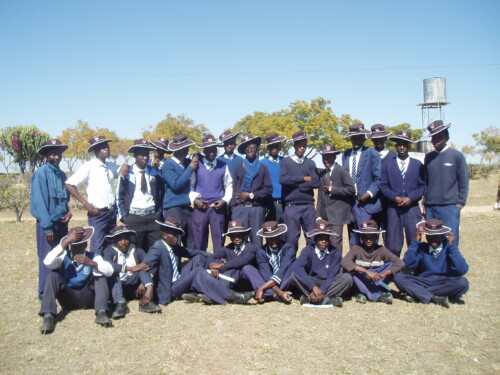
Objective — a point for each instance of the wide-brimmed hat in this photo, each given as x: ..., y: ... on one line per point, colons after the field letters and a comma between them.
x: 433, y: 227
x: 226, y: 136
x: 298, y: 136
x: 247, y: 139
x: 119, y: 230
x: 369, y: 226
x: 357, y: 129
x: 140, y: 144
x: 378, y: 131
x: 322, y: 227
x: 179, y: 142
x: 87, y: 232
x: 208, y: 141
x: 437, y: 127
x: 272, y: 229
x: 236, y: 226
x: 403, y: 135
x: 272, y: 138
x: 172, y: 223
x: 97, y: 140
x: 162, y: 144
x: 52, y: 143
x: 329, y: 149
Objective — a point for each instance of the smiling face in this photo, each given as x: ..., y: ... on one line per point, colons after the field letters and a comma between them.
x: 300, y: 147
x: 251, y: 151
x: 141, y: 157
x: 54, y: 156
x: 322, y: 241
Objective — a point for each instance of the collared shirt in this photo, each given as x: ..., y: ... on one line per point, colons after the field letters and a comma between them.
x: 126, y: 260
x: 140, y: 200
x: 435, y: 252
x: 176, y: 274
x: 180, y: 163
x: 271, y: 159
x: 227, y: 182
x: 228, y: 157
x: 298, y: 160
x: 99, y: 178
x: 407, y: 162
x: 383, y: 153
x: 444, y: 149
x: 321, y: 254
x: 242, y: 248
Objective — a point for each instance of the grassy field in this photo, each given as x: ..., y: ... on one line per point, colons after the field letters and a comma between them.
x: 261, y: 339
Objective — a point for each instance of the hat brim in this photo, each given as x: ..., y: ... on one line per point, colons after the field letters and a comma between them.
x: 369, y: 231
x: 315, y: 232
x: 279, y: 139
x: 97, y: 143
x: 444, y: 127
x: 214, y: 144
x: 241, y: 146
x: 173, y: 147
x: 137, y: 147
x: 234, y: 135
x: 394, y: 138
x: 379, y: 134
x: 41, y: 150
x: 242, y: 230
x: 89, y: 232
x: 167, y: 225
x: 159, y: 146
x: 429, y: 232
x: 112, y: 236
x: 282, y: 228
x: 293, y: 140
x: 362, y: 132
x: 335, y: 152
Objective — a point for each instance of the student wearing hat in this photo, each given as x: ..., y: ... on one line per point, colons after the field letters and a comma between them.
x: 211, y: 191
x: 436, y: 268
x: 160, y: 149
x: 228, y: 141
x: 274, y: 261
x: 49, y: 205
x: 77, y: 279
x: 273, y: 162
x: 299, y: 178
x: 335, y: 195
x: 371, y: 265
x: 99, y: 175
x: 316, y: 272
x: 126, y: 260
x: 139, y: 196
x: 447, y: 179
x: 403, y: 186
x: 364, y: 165
x: 193, y: 283
x: 176, y: 173
x: 252, y: 188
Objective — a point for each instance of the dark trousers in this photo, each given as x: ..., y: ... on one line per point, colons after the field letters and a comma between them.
x: 449, y: 214
x: 296, y: 217
x: 275, y: 210
x: 147, y: 231
x: 360, y: 215
x: 253, y: 276
x: 202, y: 219
x: 371, y: 290
x: 43, y: 247
x: 123, y: 290
x: 337, y: 241
x: 399, y: 220
x: 340, y: 285
x: 185, y: 215
x: 381, y: 219
x: 103, y: 223
x: 252, y: 217
x: 424, y: 287
x: 93, y: 294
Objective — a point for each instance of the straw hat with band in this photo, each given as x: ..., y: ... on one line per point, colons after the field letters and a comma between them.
x: 329, y: 149
x: 179, y: 142
x: 52, y: 143
x: 298, y: 136
x: 272, y: 138
x: 161, y: 144
x: 322, y: 227
x: 378, y: 131
x: 433, y: 227
x: 436, y: 127
x: 246, y: 140
x: 369, y: 227
x: 357, y: 129
x: 236, y: 226
x: 119, y: 230
x: 402, y: 135
x: 171, y: 223
x: 140, y: 144
x: 272, y: 229
x: 97, y: 140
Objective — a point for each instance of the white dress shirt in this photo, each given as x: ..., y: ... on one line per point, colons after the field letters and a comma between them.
x: 227, y: 182
x: 140, y: 200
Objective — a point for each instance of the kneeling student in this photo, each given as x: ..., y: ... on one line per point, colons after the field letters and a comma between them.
x: 437, y: 266
x: 371, y: 265
x: 316, y: 271
x: 126, y: 260
x: 76, y: 280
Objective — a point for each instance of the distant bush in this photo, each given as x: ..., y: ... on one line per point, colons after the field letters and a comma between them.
x: 15, y: 192
x: 477, y: 171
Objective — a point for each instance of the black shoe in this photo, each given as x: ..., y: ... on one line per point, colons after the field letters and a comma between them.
x: 361, y: 298
x: 441, y: 301
x: 150, y: 307
x: 47, y: 324
x: 121, y: 309
x: 409, y: 298
x: 206, y: 299
x: 102, y: 319
x: 335, y: 301
x: 304, y: 299
x: 240, y: 298
x: 385, y: 298
x: 192, y: 297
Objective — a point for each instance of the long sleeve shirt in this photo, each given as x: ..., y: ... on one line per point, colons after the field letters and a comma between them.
x: 294, y: 189
x: 284, y: 258
x: 380, y: 255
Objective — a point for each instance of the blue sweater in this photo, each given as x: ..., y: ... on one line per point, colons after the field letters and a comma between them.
x: 231, y: 164
x: 177, y: 183
x: 76, y: 274
x: 274, y: 172
x: 292, y: 174
x: 49, y: 197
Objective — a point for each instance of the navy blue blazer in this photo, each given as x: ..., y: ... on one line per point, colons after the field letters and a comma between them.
x: 286, y: 258
x: 393, y: 185
x: 109, y: 255
x: 262, y: 186
x: 160, y: 268
x: 234, y: 263
x: 369, y: 173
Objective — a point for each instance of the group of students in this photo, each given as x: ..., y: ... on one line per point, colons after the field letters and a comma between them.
x: 168, y: 207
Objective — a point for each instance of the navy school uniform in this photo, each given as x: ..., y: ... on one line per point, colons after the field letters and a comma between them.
x: 235, y: 262
x: 275, y: 205
x: 433, y: 275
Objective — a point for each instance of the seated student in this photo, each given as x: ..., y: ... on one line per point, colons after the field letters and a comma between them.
x: 371, y: 265
x: 437, y: 266
x: 316, y: 270
x: 274, y: 262
x: 75, y: 279
x: 193, y: 282
x: 126, y: 260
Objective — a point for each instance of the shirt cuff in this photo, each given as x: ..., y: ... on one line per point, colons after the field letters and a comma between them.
x: 369, y: 192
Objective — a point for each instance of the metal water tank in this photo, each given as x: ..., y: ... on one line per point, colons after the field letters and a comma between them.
x: 435, y: 90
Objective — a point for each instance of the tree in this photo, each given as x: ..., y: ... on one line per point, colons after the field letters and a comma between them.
x: 22, y: 144
x: 416, y: 134
x: 6, y: 160
x: 488, y: 143
x: 15, y: 193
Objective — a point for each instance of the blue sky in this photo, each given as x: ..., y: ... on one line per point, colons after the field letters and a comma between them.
x: 125, y: 64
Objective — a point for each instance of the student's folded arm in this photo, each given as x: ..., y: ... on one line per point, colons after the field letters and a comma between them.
x: 289, y: 179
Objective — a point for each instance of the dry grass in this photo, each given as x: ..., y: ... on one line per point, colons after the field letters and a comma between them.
x: 260, y: 339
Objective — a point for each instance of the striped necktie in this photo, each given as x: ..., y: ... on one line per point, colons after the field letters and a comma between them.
x: 175, y: 270
x: 403, y: 168
x: 275, y: 261
x: 237, y: 250
x: 353, y: 169
x: 210, y: 166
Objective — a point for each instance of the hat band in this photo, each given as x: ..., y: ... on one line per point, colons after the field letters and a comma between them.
x: 433, y: 230
x: 272, y: 231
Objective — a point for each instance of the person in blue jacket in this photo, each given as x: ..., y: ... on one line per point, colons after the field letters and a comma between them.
x: 435, y: 268
x: 49, y: 205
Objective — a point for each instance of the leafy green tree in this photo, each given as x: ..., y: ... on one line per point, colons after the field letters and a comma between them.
x: 416, y: 134
x: 488, y: 143
x: 15, y: 193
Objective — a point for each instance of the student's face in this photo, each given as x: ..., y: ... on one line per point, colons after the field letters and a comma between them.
x: 379, y: 143
x: 274, y: 149
x: 357, y: 141
x: 434, y: 240
x: 300, y: 147
x: 402, y: 148
x: 78, y: 248
x: 141, y: 158
x: 123, y: 242
x: 158, y: 154
x: 251, y: 151
x: 322, y: 241
x: 102, y: 151
x: 439, y: 140
x: 170, y: 237
x: 328, y: 160
x: 181, y: 154
x: 211, y: 153
x: 229, y: 146
x: 273, y: 242
x: 369, y: 239
x: 54, y: 156
x: 237, y: 238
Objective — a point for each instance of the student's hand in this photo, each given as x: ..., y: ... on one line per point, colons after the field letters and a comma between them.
x: 72, y: 238
x: 316, y: 295
x: 398, y: 200
x: 364, y: 197
x: 138, y: 267
x: 406, y: 202
x: 83, y: 259
x: 216, y: 265
x: 194, y: 162
x: 243, y: 196
x: 307, y: 178
x: 451, y: 238
x: 459, y: 208
x: 285, y: 296
x: 259, y: 295
x: 50, y: 237
x: 66, y: 218
x: 328, y: 189
x: 214, y: 272
x: 92, y: 210
x: 374, y: 276
x: 141, y: 289
x: 420, y: 232
x: 219, y: 204
x: 200, y: 204
x: 147, y: 296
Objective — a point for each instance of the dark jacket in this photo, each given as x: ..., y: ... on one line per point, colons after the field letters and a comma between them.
x: 394, y: 185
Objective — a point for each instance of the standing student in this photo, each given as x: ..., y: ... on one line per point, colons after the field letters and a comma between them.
x: 273, y: 162
x: 403, y: 186
x: 212, y: 189
x: 335, y: 195
x: 49, y: 205
x: 447, y: 179
x: 252, y: 188
x: 364, y: 166
x: 299, y: 178
x: 160, y: 149
x: 228, y: 141
x: 139, y: 196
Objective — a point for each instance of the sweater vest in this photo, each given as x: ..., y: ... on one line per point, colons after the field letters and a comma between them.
x: 210, y: 184
x: 76, y: 274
